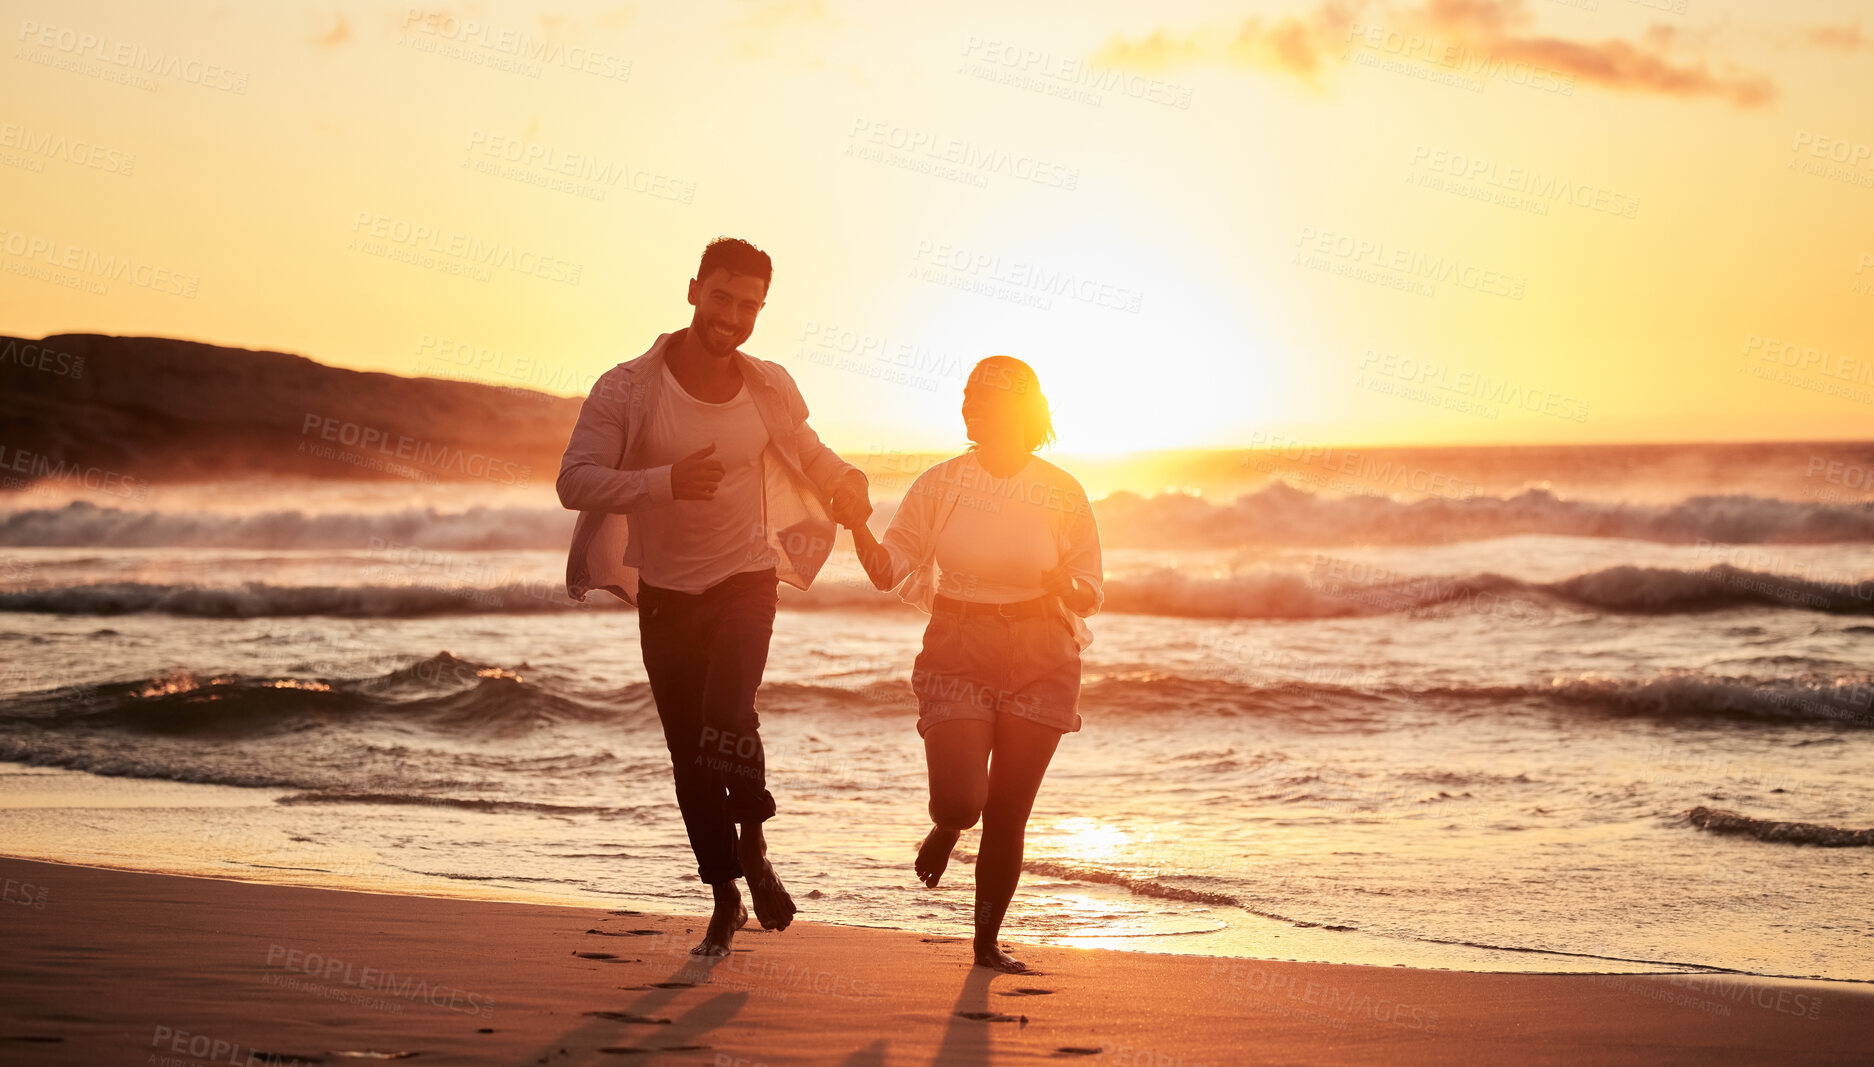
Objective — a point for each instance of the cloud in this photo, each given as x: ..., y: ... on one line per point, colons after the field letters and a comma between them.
x: 339, y: 34
x: 617, y: 18
x: 1847, y: 37
x: 769, y: 16
x: 772, y: 27
x: 1298, y: 46
x: 611, y: 20
x: 1487, y: 35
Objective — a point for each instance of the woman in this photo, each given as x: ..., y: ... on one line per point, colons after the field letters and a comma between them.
x: 1010, y: 541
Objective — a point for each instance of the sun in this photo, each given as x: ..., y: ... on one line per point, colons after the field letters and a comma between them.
x: 1164, y: 399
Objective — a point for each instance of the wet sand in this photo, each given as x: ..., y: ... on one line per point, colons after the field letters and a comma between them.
x: 104, y: 967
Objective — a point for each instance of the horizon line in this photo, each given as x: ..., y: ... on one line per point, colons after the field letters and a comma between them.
x: 1095, y: 455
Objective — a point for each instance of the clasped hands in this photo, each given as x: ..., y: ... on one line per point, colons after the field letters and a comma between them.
x: 851, y: 504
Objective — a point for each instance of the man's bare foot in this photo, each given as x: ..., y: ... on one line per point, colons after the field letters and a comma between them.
x: 773, y: 906
x: 728, y: 917
x: 991, y: 955
x: 933, y: 855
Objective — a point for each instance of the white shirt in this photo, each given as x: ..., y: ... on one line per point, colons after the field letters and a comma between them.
x: 690, y: 545
x: 997, y: 541
x: 999, y: 546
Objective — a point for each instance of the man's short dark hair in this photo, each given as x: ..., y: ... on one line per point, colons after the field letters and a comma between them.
x: 737, y: 257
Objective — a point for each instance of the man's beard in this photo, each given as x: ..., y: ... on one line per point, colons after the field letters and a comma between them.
x: 715, y: 343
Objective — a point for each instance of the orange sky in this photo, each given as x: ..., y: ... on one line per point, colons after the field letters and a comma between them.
x: 1205, y: 224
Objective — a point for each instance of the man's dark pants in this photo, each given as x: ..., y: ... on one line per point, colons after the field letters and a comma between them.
x: 704, y: 653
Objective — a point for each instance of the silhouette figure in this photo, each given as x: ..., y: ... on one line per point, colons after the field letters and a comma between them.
x: 1000, y: 547
x: 700, y: 486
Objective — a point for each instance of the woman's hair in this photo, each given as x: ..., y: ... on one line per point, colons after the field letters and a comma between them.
x: 1007, y: 372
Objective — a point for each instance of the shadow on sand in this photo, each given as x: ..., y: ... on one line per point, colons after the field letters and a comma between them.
x: 636, y: 1029
x: 968, y: 1039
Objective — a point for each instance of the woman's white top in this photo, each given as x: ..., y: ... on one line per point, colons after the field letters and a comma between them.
x: 969, y: 535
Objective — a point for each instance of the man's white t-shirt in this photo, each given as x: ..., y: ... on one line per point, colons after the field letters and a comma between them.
x: 690, y: 545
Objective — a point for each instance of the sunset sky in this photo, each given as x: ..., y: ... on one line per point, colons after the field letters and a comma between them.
x: 1205, y: 224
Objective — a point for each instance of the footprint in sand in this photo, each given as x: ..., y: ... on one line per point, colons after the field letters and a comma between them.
x: 1027, y: 992
x: 992, y: 1017
x: 1076, y: 1050
x: 941, y: 940
x: 627, y: 1017
x: 595, y: 955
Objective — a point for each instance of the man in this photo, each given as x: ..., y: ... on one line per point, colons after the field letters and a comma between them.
x: 700, y: 486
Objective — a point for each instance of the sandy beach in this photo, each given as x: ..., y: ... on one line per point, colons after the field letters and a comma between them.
x: 1331, y: 531
x: 106, y: 967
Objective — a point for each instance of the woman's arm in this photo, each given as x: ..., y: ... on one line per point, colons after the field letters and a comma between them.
x: 873, y: 557
x: 1080, y: 579
x: 907, y: 541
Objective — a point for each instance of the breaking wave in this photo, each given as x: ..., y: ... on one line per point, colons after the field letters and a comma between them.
x: 1258, y: 594
x: 83, y: 523
x: 1282, y: 514
x: 1277, y: 513
x: 182, y: 724
x: 261, y: 600
x: 1719, y: 821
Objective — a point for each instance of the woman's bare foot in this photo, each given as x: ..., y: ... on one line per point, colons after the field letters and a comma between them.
x: 933, y: 855
x: 991, y: 955
x: 728, y: 917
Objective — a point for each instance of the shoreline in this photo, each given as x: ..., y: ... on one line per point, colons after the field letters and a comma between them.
x: 111, y: 966
x: 1242, y: 935
x: 60, y: 831
x: 1152, y: 944
x: 1612, y: 967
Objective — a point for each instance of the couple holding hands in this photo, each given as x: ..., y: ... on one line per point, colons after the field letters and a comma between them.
x: 700, y: 487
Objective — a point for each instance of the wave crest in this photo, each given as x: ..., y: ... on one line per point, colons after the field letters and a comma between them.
x: 1720, y: 821
x: 1627, y: 590
x: 252, y: 600
x: 1282, y: 514
x: 1260, y: 594
x: 1276, y: 514
x: 83, y: 523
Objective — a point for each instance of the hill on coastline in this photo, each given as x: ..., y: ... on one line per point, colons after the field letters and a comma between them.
x: 148, y: 410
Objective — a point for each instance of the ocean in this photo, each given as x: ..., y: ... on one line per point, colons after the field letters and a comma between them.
x: 1471, y: 708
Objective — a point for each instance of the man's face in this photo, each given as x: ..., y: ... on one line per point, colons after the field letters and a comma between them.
x: 726, y: 305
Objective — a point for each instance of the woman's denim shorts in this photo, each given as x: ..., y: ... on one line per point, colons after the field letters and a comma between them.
x: 978, y: 666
